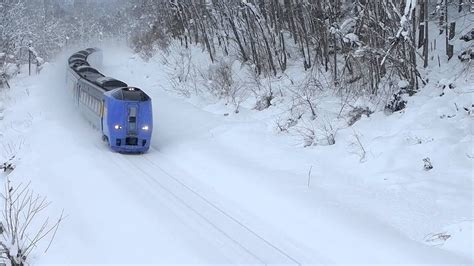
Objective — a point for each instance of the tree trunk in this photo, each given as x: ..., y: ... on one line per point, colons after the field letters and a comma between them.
x: 426, y: 37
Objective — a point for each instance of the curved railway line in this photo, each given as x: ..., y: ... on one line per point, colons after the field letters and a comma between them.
x: 238, y: 234
x: 257, y: 246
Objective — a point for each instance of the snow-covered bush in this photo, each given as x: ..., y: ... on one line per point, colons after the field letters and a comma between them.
x: 150, y: 40
x: 220, y: 79
x: 8, y: 165
x: 185, y: 76
x: 466, y: 55
x: 10, y: 154
x: 307, y: 133
x: 261, y: 88
x: 320, y: 132
x: 21, y: 228
x: 427, y: 164
x: 264, y: 101
x: 220, y: 82
x: 356, y: 114
x: 468, y: 36
x: 290, y: 118
x: 396, y: 103
x: 306, y: 93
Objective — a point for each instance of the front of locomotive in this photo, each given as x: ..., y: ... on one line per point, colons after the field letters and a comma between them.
x: 128, y: 120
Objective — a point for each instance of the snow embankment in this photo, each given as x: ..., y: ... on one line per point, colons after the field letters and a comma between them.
x: 325, y: 198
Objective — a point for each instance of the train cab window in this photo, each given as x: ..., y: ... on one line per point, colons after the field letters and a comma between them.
x: 132, y: 118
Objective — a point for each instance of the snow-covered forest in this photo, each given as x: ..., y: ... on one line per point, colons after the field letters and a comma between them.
x: 285, y: 132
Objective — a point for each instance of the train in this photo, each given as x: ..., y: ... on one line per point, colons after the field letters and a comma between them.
x: 122, y: 113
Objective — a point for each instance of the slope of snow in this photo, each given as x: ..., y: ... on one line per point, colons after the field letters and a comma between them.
x: 227, y: 189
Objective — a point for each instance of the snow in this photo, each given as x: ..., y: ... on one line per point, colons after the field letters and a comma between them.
x: 228, y: 189
x: 351, y: 38
x: 403, y: 84
x: 460, y: 240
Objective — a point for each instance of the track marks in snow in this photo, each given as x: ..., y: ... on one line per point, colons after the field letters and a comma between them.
x: 237, y: 233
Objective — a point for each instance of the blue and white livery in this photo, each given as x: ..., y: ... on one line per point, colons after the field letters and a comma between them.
x: 123, y: 114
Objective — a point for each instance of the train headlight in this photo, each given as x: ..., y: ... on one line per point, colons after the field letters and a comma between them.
x: 117, y: 127
x: 145, y: 128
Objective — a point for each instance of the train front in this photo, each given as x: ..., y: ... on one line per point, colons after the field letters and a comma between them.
x: 128, y: 120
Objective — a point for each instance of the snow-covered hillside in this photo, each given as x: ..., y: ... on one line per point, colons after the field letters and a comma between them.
x: 219, y: 188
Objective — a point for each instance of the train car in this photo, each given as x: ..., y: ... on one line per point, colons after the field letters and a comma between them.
x: 128, y: 119
x: 123, y: 114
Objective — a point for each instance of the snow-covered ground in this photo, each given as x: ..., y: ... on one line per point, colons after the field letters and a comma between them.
x: 220, y: 188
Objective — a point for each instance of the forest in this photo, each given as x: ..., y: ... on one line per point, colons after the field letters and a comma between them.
x: 353, y: 48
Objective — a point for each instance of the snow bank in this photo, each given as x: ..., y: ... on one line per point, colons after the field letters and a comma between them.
x: 236, y: 155
x: 461, y: 238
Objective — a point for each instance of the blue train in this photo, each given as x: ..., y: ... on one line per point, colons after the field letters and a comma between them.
x: 123, y: 114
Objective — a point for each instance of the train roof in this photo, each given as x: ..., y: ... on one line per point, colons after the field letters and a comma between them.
x: 86, y: 68
x: 76, y: 58
x: 74, y: 65
x: 84, y: 52
x: 88, y: 72
x: 78, y: 63
x: 130, y: 94
x: 79, y: 55
x: 109, y: 83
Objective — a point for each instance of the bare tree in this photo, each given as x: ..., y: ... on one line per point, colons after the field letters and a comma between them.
x: 20, y: 231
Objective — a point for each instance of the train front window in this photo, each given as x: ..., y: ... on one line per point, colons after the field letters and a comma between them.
x: 132, y: 118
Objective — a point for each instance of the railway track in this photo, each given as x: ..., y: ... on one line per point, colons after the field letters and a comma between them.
x: 242, y: 237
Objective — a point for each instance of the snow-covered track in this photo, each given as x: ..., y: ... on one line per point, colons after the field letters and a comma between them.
x: 243, y: 237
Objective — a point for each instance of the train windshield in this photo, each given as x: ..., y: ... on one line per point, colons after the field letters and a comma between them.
x: 130, y: 94
x: 132, y: 118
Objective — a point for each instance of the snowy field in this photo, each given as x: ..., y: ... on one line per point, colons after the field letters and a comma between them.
x: 221, y: 189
